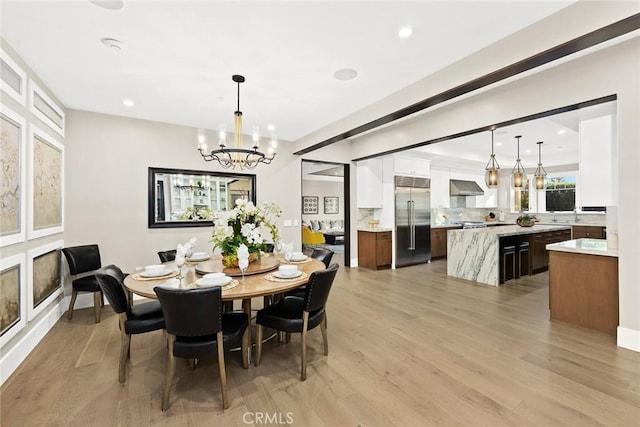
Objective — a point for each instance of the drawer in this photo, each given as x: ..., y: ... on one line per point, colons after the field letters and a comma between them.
x: 383, y: 236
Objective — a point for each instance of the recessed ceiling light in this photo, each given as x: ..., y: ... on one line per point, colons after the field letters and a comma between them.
x: 405, y: 32
x: 128, y: 103
x: 562, y: 131
x: 498, y: 144
x: 528, y: 151
x: 271, y: 128
x: 113, y: 43
x: 108, y: 4
x: 345, y: 74
x: 220, y: 99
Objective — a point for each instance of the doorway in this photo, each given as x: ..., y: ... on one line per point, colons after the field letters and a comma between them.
x: 325, y: 207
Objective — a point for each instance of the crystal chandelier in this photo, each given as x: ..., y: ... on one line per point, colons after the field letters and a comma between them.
x: 237, y: 157
x: 491, y: 174
x: 540, y: 175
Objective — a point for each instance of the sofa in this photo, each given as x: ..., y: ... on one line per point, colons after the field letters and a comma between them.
x: 310, y: 237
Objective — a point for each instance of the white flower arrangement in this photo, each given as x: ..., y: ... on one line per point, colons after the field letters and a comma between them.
x: 253, y: 226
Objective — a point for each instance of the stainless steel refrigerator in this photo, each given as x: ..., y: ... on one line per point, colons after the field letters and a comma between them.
x: 413, y: 220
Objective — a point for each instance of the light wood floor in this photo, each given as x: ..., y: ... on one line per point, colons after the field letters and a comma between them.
x: 409, y: 347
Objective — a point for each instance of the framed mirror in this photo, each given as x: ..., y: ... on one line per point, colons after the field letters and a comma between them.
x: 188, y: 198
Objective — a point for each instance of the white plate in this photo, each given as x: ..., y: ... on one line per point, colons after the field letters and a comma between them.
x: 161, y: 273
x: 202, y: 284
x: 302, y: 258
x: 171, y: 284
x: 196, y: 259
x: 288, y: 276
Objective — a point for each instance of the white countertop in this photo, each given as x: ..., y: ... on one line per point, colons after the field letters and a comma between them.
x: 584, y: 246
x: 512, y: 230
x: 375, y: 230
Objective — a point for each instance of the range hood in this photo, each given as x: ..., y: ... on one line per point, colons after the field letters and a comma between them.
x: 459, y: 187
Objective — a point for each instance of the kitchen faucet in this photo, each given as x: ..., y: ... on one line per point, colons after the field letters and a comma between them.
x: 575, y: 212
x: 554, y: 218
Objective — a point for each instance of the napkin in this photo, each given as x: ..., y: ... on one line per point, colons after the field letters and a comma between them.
x: 186, y: 250
x: 243, y: 256
x: 286, y: 248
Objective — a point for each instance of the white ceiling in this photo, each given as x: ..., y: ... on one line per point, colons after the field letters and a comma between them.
x: 559, y: 134
x: 180, y: 55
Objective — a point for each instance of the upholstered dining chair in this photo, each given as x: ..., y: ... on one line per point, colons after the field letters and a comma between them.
x: 321, y: 254
x: 166, y: 256
x: 299, y: 315
x: 83, y: 261
x: 133, y: 319
x: 197, y: 327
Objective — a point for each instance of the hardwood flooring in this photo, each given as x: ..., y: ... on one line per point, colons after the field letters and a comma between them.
x: 407, y: 347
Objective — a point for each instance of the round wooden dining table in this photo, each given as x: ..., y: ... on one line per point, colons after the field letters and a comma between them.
x: 255, y: 284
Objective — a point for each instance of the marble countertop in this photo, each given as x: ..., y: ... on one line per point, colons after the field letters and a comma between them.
x: 447, y: 226
x: 375, y: 230
x: 584, y: 246
x: 513, y: 230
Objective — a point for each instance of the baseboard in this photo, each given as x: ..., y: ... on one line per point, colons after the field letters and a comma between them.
x: 354, y: 262
x: 19, y: 352
x: 629, y: 338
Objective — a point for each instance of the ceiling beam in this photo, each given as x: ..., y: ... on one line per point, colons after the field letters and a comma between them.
x: 585, y: 41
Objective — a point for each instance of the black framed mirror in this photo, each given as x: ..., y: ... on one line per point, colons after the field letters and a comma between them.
x: 188, y: 198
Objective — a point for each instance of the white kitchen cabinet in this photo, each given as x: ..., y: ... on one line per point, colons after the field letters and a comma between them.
x: 412, y: 166
x: 596, y: 155
x: 440, y: 187
x: 369, y: 183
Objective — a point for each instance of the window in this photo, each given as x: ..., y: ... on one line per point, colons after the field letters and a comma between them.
x: 561, y: 194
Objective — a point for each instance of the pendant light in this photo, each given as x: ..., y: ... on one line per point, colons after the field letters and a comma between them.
x: 491, y: 174
x: 518, y: 176
x: 541, y: 174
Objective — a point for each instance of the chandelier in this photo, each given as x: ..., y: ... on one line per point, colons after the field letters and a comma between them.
x: 518, y: 176
x: 540, y: 175
x: 491, y: 174
x: 237, y: 157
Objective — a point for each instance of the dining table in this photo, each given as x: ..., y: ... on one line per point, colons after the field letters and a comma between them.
x: 259, y: 279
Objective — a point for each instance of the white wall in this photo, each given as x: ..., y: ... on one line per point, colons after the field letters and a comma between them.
x: 107, y: 166
x: 322, y: 189
x: 15, y: 350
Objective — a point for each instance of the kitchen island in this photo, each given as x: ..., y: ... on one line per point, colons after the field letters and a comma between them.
x: 583, y: 284
x: 474, y: 254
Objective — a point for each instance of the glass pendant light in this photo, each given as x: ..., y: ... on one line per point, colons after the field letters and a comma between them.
x: 541, y: 174
x: 491, y: 174
x: 518, y: 176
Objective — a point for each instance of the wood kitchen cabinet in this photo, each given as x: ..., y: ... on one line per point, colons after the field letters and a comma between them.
x: 374, y: 249
x: 588, y: 232
x: 439, y: 241
x: 539, y: 254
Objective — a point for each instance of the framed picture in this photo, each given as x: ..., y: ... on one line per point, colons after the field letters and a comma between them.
x: 331, y: 205
x: 46, y: 185
x: 44, y: 108
x: 44, y: 276
x: 309, y: 204
x: 13, y: 79
x: 13, y: 313
x: 13, y: 177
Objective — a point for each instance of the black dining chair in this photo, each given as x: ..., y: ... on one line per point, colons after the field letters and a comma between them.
x: 133, y: 319
x: 197, y: 327
x: 166, y: 256
x: 321, y: 254
x: 299, y: 315
x: 83, y: 261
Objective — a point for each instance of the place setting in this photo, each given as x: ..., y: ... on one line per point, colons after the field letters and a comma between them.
x: 155, y: 272
x: 285, y: 273
x: 217, y: 279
